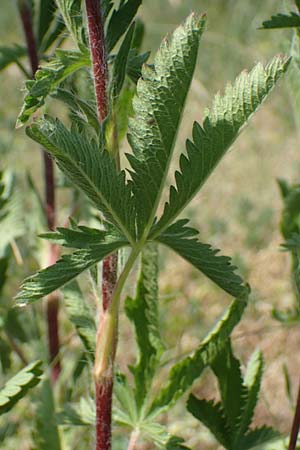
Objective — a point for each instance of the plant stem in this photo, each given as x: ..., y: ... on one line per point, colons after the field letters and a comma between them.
x: 296, y: 424
x: 52, y: 302
x: 107, y: 328
x: 133, y: 440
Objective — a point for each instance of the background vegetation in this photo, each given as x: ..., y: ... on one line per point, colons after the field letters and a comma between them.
x: 242, y: 204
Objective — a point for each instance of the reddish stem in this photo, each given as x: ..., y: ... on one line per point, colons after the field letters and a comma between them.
x: 104, y: 392
x: 104, y: 385
x: 296, y: 424
x: 52, y: 302
x: 97, y: 46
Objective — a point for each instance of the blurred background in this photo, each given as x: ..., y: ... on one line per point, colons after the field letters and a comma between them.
x: 238, y: 210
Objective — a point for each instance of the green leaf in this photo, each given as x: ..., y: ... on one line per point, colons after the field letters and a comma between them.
x: 66, y: 268
x: 212, y: 416
x: 219, y: 269
x: 258, y: 436
x: 81, y: 316
x: 233, y: 393
x: 143, y: 312
x: 290, y: 20
x: 55, y: 31
x: 135, y: 63
x: 120, y: 64
x: 48, y: 78
x: 4, y: 260
x: 158, y: 106
x: 47, y: 10
x: 82, y: 414
x: 125, y: 411
x: 120, y: 21
x: 184, y: 373
x: 91, y: 169
x: 45, y: 434
x: 78, y: 106
x: 72, y: 15
x: 9, y: 55
x: 252, y: 382
x: 18, y: 386
x: 221, y: 126
x: 176, y: 443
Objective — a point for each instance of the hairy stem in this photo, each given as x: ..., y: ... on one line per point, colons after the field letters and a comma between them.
x: 296, y: 424
x: 107, y: 328
x: 52, y: 302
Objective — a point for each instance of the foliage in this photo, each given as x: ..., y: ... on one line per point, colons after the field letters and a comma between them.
x: 126, y: 195
x: 230, y: 418
x: 18, y: 386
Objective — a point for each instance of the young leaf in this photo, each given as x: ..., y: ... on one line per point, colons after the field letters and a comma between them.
x: 48, y: 78
x: 158, y: 106
x: 143, y: 312
x: 233, y: 393
x: 212, y: 416
x: 91, y: 169
x: 282, y: 21
x: 219, y: 269
x: 184, y: 373
x: 18, y: 386
x: 120, y: 21
x: 81, y: 316
x: 66, y: 268
x: 45, y: 434
x: 72, y: 15
x: 9, y: 55
x: 221, y: 126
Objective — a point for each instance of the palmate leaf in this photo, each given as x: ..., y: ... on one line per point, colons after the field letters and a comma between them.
x: 219, y: 269
x: 212, y: 416
x: 91, y: 169
x: 80, y: 414
x: 158, y: 106
x: 290, y: 20
x: 81, y: 316
x: 143, y: 312
x: 18, y: 386
x: 183, y: 374
x: 67, y: 268
x: 48, y: 78
x: 120, y: 21
x: 227, y: 369
x: 221, y: 126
